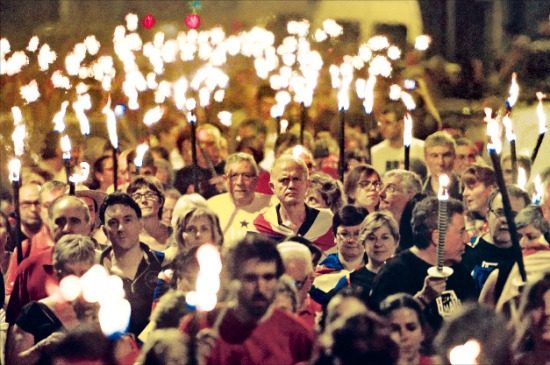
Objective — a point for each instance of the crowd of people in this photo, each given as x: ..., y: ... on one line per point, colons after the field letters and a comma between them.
x: 315, y: 270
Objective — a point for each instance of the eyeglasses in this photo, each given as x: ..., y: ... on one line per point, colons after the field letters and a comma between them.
x: 246, y: 176
x: 345, y: 235
x: 148, y: 195
x: 389, y: 189
x: 368, y: 184
x: 300, y: 284
x: 499, y: 213
x: 27, y: 204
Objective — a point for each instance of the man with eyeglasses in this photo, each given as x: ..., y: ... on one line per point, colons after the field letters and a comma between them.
x: 238, y: 208
x: 253, y: 331
x: 350, y: 255
x: 494, y: 248
x: 292, y: 216
x: 390, y: 153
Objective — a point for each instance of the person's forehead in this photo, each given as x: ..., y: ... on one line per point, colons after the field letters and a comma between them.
x: 206, y: 135
x: 68, y: 208
x: 30, y: 190
x: 50, y: 196
x: 465, y: 150
x: 289, y: 168
x: 458, y: 220
x: 390, y: 116
x: 240, y: 166
x: 440, y: 148
x: 120, y: 209
x: 393, y: 180
x: 255, y: 266
x: 350, y: 228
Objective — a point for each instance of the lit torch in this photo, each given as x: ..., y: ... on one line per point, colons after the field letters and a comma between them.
x: 79, y: 177
x: 538, y: 188
x: 66, y: 148
x: 408, y: 127
x: 140, y: 153
x: 511, y: 136
x: 442, y: 220
x: 113, y: 137
x: 542, y: 125
x: 15, y: 169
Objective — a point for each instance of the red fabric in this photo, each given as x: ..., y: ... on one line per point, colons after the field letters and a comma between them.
x: 263, y: 183
x: 40, y: 242
x: 308, y: 313
x: 33, y: 278
x: 279, y: 339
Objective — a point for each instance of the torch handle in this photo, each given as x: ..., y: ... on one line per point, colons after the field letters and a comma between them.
x: 508, y: 213
x: 303, y: 116
x: 407, y: 157
x: 342, y: 145
x: 513, y: 157
x: 537, y: 146
x: 17, y: 230
x: 194, y: 156
x: 441, y: 229
x: 115, y: 169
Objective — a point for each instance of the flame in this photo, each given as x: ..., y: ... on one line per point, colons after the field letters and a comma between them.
x: 111, y: 123
x: 509, y: 129
x: 408, y: 100
x: 19, y: 132
x: 493, y: 132
x: 46, y: 57
x: 14, y: 167
x: 443, y: 193
x: 78, y: 107
x: 407, y: 130
x: 59, y: 118
x: 60, y: 81
x: 465, y: 354
x: 140, y: 153
x: 225, y: 118
x: 153, y: 115
x: 30, y: 91
x: 514, y: 92
x: 368, y: 104
x: 538, y: 188
x: 540, y: 113
x: 422, y: 42
x: 208, y: 280
x: 332, y: 28
x: 66, y: 147
x: 522, y: 178
x: 284, y: 125
x: 33, y: 44
x: 80, y: 177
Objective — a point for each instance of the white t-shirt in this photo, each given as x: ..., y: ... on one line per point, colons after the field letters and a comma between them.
x: 385, y: 157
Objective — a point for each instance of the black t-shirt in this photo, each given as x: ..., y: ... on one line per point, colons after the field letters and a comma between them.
x: 405, y: 273
x: 482, y: 257
x: 184, y: 179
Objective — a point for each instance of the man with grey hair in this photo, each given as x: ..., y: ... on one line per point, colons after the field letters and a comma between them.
x: 399, y: 186
x: 210, y: 165
x: 292, y: 216
x: 68, y: 215
x: 241, y: 204
x: 439, y: 154
x: 297, y: 260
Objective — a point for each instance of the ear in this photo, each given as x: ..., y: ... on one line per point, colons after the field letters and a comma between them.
x: 435, y: 237
x: 271, y: 186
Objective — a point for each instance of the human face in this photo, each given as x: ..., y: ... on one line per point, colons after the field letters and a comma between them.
x: 315, y: 200
x: 465, y: 157
x: 507, y: 170
x: 393, y: 196
x: 406, y: 332
x: 380, y: 245
x: 68, y: 217
x: 3, y: 233
x: 148, y: 200
x: 366, y: 193
x: 78, y: 268
x: 211, y: 146
x: 303, y: 278
x: 390, y: 128
x: 541, y: 321
x: 289, y: 183
x: 242, y: 181
x: 498, y: 227
x: 29, y: 205
x: 91, y: 207
x: 529, y: 236
x: 106, y: 177
x: 122, y: 227
x: 168, y: 209
x: 198, y: 231
x: 258, y: 286
x: 476, y: 197
x: 46, y: 199
x: 456, y: 238
x: 439, y: 160
x: 348, y: 243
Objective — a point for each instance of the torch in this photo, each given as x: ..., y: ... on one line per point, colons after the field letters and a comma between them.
x: 511, y: 136
x: 542, y: 125
x: 66, y: 148
x: 15, y: 169
x: 538, y: 188
x: 192, y: 119
x: 493, y: 146
x: 408, y: 126
x: 439, y: 270
x: 111, y: 128
x: 140, y: 153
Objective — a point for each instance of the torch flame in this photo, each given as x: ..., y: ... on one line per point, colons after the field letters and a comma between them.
x: 153, y: 115
x: 368, y: 104
x: 407, y: 130
x: 80, y: 177
x: 540, y: 113
x: 494, y: 143
x: 408, y: 100
x: 443, y: 184
x: 514, y: 92
x: 538, y: 188
x: 507, y: 122
x: 59, y: 118
x: 208, y: 280
x: 14, y: 167
x: 66, y: 147
x: 522, y: 178
x: 140, y: 153
x: 111, y: 123
x: 19, y: 132
x: 465, y: 354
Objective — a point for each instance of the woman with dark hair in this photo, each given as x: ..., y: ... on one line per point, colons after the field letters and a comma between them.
x: 362, y: 187
x: 325, y: 192
x: 409, y: 328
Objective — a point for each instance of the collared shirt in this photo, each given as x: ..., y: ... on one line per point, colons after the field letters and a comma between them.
x: 139, y: 291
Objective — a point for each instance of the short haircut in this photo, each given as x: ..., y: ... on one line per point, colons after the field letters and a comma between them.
x: 239, y: 157
x: 440, y: 139
x: 402, y: 300
x: 98, y: 164
x: 118, y: 198
x: 73, y: 248
x: 256, y: 124
x: 294, y: 251
x: 286, y: 285
x: 350, y: 184
x: 330, y: 189
x: 532, y: 214
x: 348, y: 215
x: 463, y: 141
x: 265, y: 90
x: 254, y: 246
x: 409, y: 180
x: 397, y: 108
x: 513, y: 190
x: 523, y: 160
x: 210, y: 128
x: 195, y: 212
x: 51, y: 186
x: 170, y: 310
x: 483, y: 174
x: 151, y: 183
x: 82, y: 205
x: 288, y: 159
x: 376, y: 220
x: 425, y: 218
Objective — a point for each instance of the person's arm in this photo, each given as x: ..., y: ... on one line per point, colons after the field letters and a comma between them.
x: 23, y: 350
x: 487, y: 295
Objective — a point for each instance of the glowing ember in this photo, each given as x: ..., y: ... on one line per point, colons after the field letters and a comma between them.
x: 540, y: 113
x: 422, y: 42
x: 14, y: 167
x: 514, y: 92
x: 111, y: 124
x: 140, y: 153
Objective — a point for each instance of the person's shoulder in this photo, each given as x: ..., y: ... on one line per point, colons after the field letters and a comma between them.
x: 40, y: 259
x: 377, y: 147
x: 215, y: 201
x: 288, y: 322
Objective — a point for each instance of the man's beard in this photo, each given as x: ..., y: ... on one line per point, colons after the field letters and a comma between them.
x: 33, y: 226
